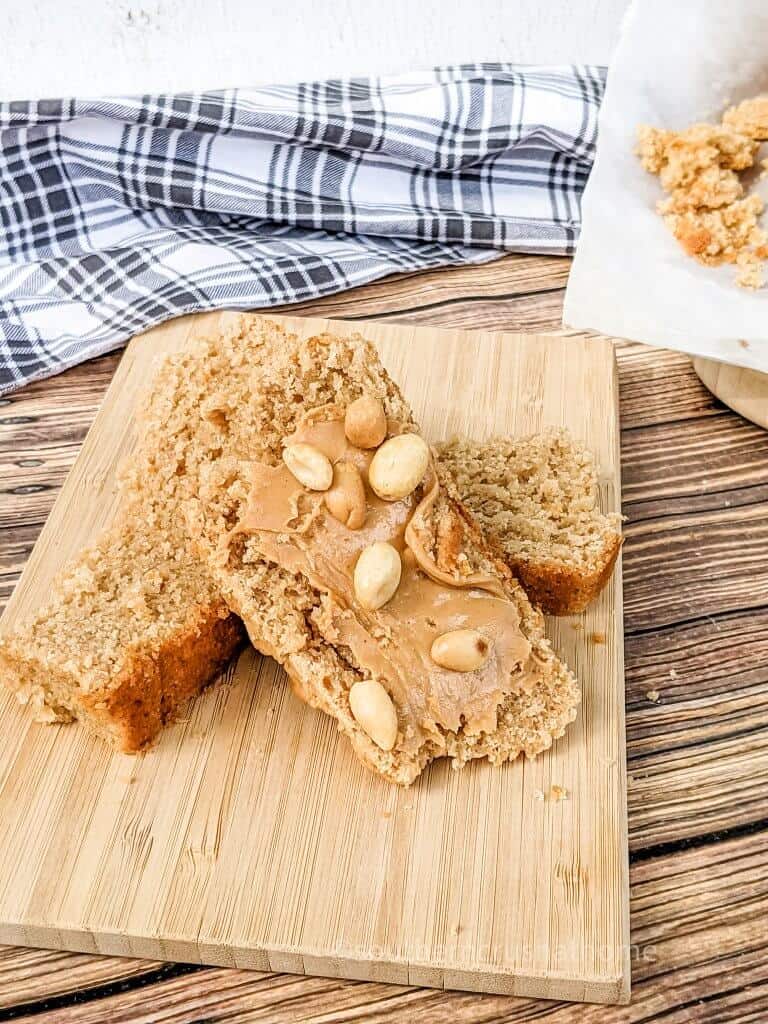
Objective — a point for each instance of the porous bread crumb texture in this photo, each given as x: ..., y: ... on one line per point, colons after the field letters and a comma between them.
x: 750, y: 118
x: 701, y: 168
x: 253, y: 386
x: 131, y: 631
x: 536, y: 498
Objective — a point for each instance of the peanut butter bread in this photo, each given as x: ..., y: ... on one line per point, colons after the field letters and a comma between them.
x: 221, y: 415
x: 536, y: 499
x: 131, y: 631
x: 136, y: 625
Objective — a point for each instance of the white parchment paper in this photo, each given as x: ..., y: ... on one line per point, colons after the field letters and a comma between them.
x: 678, y: 61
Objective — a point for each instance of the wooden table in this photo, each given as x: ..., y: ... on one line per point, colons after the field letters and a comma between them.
x: 696, y: 605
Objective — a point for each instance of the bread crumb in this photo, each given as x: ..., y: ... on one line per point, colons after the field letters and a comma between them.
x: 750, y: 118
x: 558, y: 793
x: 653, y: 695
x: 597, y: 638
x: 672, y: 674
x: 707, y: 209
x: 743, y: 343
x: 577, y: 625
x: 538, y: 794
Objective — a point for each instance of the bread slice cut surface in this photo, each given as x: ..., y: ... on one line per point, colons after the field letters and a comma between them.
x: 537, y: 500
x: 132, y: 630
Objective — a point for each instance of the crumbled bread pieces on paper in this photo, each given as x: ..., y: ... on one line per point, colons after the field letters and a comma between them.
x: 708, y: 209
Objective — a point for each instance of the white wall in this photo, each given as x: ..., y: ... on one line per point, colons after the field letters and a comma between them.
x: 92, y: 47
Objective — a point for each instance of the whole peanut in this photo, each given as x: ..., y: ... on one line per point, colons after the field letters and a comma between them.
x: 345, y: 498
x: 377, y: 575
x: 462, y: 650
x: 398, y: 467
x: 365, y: 422
x: 308, y: 464
x: 374, y: 712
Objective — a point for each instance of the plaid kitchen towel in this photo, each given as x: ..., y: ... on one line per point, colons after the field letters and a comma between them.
x: 119, y: 213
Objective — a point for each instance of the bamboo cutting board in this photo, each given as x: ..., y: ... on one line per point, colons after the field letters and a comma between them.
x: 251, y: 837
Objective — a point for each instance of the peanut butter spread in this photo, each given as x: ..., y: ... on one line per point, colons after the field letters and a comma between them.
x: 292, y: 528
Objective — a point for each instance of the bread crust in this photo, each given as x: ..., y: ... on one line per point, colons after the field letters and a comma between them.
x: 564, y: 590
x: 153, y: 690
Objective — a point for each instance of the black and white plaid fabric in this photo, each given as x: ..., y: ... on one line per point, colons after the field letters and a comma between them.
x: 120, y: 213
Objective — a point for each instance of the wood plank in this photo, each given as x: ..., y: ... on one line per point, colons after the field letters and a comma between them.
x: 722, y: 463
x: 15, y: 548
x: 29, y: 484
x: 530, y: 313
x: 32, y: 975
x: 692, y: 683
x: 447, y: 901
x: 660, y: 386
x: 515, y: 274
x: 58, y: 410
x: 89, y: 378
x: 665, y: 582
x: 693, y: 790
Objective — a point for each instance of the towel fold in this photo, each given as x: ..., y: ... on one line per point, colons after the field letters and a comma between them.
x: 120, y: 213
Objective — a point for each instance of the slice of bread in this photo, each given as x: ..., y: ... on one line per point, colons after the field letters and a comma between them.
x: 536, y: 499
x: 131, y: 631
x: 285, y: 615
x: 253, y: 388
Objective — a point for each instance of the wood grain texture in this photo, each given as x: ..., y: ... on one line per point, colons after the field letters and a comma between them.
x: 25, y: 972
x: 466, y: 880
x: 697, y: 895
x: 699, y: 954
